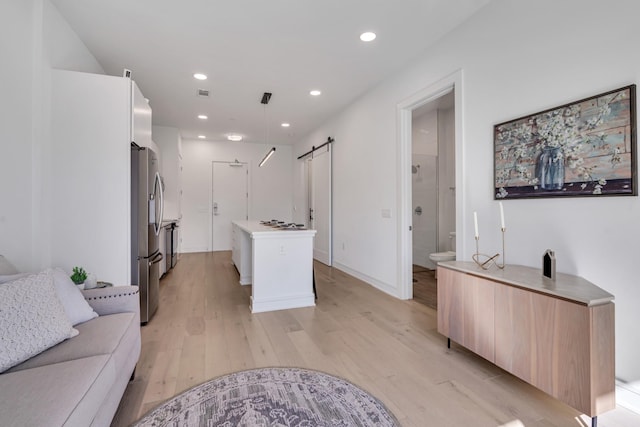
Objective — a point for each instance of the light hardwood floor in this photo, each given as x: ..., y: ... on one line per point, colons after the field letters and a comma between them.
x: 425, y: 286
x: 388, y: 347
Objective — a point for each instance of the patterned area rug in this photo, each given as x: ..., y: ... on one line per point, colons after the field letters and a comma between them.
x: 274, y: 397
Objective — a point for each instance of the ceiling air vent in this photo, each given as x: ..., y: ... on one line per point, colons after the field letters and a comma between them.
x: 203, y: 92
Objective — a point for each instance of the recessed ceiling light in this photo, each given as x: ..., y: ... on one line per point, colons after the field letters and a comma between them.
x: 368, y: 36
x: 202, y: 117
x: 285, y: 125
x: 234, y: 137
x: 200, y: 76
x: 315, y: 92
x: 201, y: 136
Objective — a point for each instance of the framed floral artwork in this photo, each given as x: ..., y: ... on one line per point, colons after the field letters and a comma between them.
x: 585, y: 148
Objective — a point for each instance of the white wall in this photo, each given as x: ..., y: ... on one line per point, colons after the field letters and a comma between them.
x: 33, y: 39
x: 517, y: 58
x: 62, y: 48
x: 300, y: 185
x: 17, y: 29
x: 270, y: 187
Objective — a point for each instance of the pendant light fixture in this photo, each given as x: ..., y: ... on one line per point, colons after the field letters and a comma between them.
x: 266, y: 157
x: 264, y: 101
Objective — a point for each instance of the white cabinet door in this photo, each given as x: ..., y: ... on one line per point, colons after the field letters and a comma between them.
x: 141, y: 119
x: 89, y: 187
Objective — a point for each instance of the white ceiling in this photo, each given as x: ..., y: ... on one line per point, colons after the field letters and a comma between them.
x: 247, y: 47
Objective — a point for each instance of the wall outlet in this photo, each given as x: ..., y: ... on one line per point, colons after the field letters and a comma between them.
x: 386, y: 213
x: 282, y: 251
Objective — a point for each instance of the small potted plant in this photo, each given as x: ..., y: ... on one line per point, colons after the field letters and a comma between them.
x: 79, y: 276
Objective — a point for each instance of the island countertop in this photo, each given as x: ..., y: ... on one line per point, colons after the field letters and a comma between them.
x: 256, y: 229
x: 566, y: 286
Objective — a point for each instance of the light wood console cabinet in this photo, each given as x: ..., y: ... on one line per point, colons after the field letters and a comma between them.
x: 556, y: 335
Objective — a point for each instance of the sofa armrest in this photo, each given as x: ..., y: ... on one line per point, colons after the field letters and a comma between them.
x: 113, y: 299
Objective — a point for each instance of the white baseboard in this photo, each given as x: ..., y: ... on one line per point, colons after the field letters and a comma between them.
x: 384, y: 287
x: 628, y: 396
x: 194, y: 249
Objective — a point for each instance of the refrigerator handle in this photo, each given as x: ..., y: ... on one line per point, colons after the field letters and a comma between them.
x: 159, y: 220
x: 156, y: 259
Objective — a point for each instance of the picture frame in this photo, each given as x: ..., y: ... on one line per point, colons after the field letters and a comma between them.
x: 586, y: 148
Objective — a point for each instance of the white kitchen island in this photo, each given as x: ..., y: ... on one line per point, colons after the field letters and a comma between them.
x: 278, y: 263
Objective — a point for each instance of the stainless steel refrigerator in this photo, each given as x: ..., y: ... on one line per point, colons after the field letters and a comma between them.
x: 146, y: 225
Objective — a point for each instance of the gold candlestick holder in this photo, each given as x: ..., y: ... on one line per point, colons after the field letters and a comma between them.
x: 484, y: 261
x: 501, y: 267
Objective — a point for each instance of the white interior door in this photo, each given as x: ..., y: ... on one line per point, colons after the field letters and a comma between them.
x: 229, y: 201
x: 319, y: 191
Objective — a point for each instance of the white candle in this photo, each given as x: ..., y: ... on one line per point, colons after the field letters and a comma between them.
x: 475, y: 223
x: 501, y: 216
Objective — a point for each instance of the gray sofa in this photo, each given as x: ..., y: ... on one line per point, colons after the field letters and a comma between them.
x: 80, y: 381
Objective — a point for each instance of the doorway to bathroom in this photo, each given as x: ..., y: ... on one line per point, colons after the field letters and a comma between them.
x: 432, y: 193
x: 429, y: 203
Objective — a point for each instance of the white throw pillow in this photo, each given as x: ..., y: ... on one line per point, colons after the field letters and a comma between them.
x: 75, y: 306
x: 32, y: 319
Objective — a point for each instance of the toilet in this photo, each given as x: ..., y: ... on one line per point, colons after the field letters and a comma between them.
x: 437, y: 257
